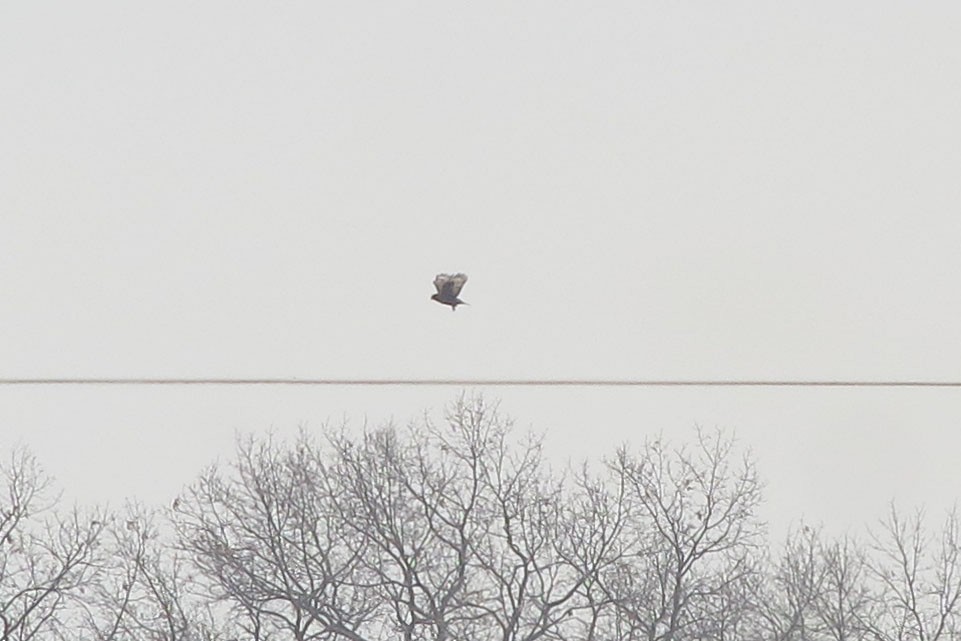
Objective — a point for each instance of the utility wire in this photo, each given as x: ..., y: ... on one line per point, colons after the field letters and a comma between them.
x: 475, y: 382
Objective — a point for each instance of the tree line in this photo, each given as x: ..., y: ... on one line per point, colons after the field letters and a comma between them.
x: 462, y: 531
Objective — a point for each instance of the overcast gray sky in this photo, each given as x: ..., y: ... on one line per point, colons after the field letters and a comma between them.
x: 636, y: 189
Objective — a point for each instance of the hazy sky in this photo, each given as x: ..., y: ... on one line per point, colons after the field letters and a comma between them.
x: 636, y: 189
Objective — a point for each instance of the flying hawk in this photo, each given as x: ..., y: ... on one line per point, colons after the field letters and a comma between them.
x: 448, y: 287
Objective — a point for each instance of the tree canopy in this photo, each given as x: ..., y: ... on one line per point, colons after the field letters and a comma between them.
x: 461, y: 530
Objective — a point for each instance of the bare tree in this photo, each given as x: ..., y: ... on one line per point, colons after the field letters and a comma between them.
x: 594, y: 544
x: 918, y: 577
x: 474, y: 538
x: 695, y: 532
x: 143, y: 587
x: 268, y: 542
x: 844, y: 604
x: 794, y: 588
x: 46, y: 559
x: 414, y: 496
x: 531, y: 579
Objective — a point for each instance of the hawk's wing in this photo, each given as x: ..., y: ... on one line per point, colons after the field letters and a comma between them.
x: 440, y: 281
x: 455, y: 284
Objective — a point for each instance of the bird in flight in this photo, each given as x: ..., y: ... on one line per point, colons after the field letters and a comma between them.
x: 448, y: 287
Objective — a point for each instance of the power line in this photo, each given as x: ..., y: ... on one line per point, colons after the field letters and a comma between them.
x: 475, y: 382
